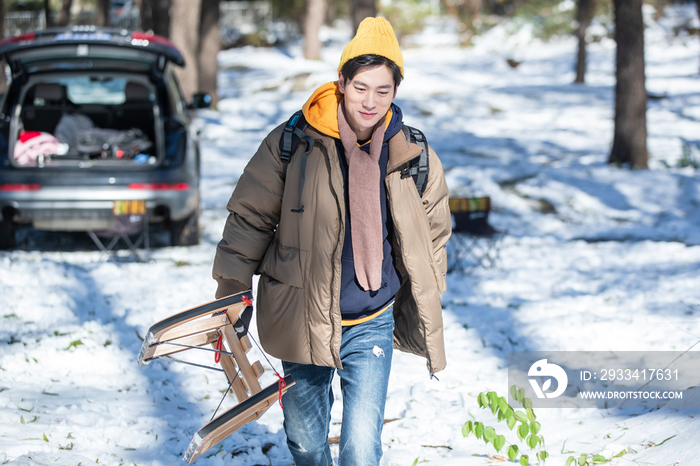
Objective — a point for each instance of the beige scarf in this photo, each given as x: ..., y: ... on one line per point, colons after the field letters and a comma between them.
x: 365, y: 203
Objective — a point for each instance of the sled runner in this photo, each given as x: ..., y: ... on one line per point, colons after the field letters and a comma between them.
x: 212, y: 324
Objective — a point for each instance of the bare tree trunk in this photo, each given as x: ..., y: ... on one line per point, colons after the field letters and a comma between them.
x: 103, y: 12
x: 139, y: 5
x: 449, y: 6
x: 146, y: 13
x: 209, y: 47
x: 64, y: 16
x: 630, y: 142
x: 698, y: 3
x: 470, y: 10
x: 466, y: 12
x: 315, y: 16
x: 3, y: 77
x: 184, y: 33
x: 583, y: 16
x: 47, y: 13
x: 160, y: 13
x: 361, y: 9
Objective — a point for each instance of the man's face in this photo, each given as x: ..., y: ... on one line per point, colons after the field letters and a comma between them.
x: 367, y: 98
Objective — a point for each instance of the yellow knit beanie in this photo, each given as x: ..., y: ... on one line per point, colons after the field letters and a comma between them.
x: 374, y: 36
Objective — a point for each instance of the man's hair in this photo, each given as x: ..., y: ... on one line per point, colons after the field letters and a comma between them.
x: 355, y: 65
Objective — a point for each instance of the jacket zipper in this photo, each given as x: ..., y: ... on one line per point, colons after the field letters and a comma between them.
x: 338, y: 246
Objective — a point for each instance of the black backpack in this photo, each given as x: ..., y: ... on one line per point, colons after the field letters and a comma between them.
x: 294, y: 133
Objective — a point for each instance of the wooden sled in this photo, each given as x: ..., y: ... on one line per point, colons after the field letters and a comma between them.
x: 206, y: 325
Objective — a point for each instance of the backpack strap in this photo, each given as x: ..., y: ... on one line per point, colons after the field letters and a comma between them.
x: 419, y: 168
x: 295, y: 127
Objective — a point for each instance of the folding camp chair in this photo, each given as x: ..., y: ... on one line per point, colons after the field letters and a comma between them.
x: 130, y: 221
x: 474, y: 242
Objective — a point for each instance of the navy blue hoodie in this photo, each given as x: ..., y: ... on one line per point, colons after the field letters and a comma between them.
x: 356, y: 303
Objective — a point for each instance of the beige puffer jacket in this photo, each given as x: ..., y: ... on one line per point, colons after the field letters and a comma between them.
x: 298, y: 254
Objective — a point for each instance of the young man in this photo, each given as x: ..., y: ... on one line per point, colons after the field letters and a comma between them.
x: 351, y: 258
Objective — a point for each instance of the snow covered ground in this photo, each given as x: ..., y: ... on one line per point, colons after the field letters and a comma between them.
x: 596, y: 258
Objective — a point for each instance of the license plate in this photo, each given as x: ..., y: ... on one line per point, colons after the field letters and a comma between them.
x: 129, y: 208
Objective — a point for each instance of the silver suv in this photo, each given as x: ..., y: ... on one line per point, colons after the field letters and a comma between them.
x: 94, y: 117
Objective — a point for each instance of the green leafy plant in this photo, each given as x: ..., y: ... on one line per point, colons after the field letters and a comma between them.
x: 688, y: 159
x: 74, y: 344
x: 591, y: 460
x: 585, y: 460
x: 524, y: 422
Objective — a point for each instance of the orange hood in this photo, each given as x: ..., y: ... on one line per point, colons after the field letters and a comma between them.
x: 321, y: 110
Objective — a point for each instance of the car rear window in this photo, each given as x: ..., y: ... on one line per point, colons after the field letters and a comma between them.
x: 93, y: 90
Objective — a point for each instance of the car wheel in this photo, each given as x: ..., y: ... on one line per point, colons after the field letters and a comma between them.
x: 185, y: 232
x: 7, y: 234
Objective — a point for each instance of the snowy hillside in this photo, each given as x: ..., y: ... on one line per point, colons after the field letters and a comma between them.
x: 595, y: 258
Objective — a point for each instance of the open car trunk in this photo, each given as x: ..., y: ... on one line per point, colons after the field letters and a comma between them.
x: 87, y: 98
x: 68, y: 120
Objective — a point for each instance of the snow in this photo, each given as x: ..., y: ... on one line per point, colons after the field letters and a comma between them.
x: 596, y: 258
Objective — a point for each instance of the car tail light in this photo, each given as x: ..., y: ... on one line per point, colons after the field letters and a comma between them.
x: 21, y: 38
x: 19, y: 187
x: 160, y: 186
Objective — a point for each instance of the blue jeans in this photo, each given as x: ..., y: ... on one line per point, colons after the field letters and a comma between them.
x: 365, y: 352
